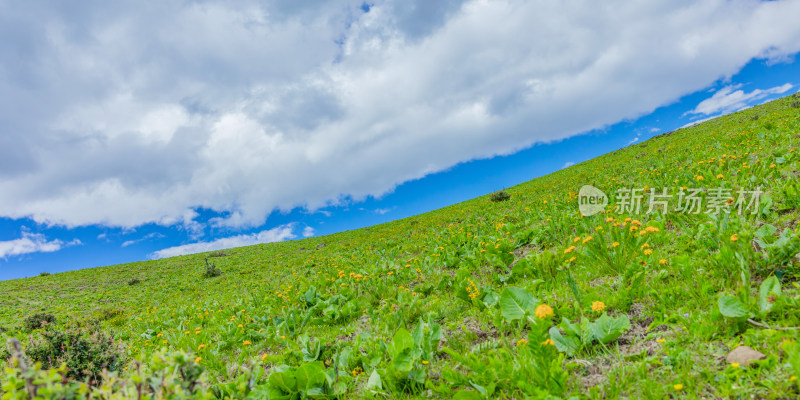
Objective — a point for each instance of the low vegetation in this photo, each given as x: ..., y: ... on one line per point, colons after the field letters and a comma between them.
x: 524, y: 297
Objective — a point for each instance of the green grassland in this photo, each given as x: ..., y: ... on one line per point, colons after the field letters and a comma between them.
x: 522, y: 298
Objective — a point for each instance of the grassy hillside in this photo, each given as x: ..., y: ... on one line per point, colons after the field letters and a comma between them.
x: 482, y: 299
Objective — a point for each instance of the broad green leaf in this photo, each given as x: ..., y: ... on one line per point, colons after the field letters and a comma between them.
x: 770, y: 289
x: 515, y: 302
x: 732, y: 307
x: 283, y: 379
x: 479, y: 388
x: 490, y: 299
x: 606, y: 329
x: 568, y: 344
x: 404, y: 361
x: 467, y: 395
x: 311, y: 377
x: 765, y: 230
x: 374, y: 382
x: 402, y: 341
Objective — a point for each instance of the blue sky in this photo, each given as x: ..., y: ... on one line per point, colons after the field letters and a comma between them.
x: 131, y: 133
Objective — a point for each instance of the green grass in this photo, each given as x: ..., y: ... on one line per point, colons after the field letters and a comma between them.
x: 451, y: 302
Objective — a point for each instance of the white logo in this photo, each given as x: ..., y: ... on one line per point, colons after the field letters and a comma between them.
x: 591, y: 200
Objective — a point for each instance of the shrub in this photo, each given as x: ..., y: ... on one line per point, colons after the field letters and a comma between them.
x: 36, y: 321
x: 44, y: 274
x: 109, y: 313
x: 86, y: 356
x: 499, y: 196
x: 167, y: 376
x: 211, y: 270
x: 796, y: 104
x: 134, y: 281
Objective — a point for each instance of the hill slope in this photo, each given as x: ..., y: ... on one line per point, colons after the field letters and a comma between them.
x: 479, y: 299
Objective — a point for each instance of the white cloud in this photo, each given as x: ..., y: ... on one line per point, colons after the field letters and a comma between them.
x: 730, y: 99
x: 699, y: 121
x: 153, y: 235
x: 276, y: 234
x: 32, y: 243
x: 568, y: 164
x: 252, y: 107
x: 308, y: 232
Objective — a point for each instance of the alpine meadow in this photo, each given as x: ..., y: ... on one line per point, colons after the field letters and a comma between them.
x: 516, y: 294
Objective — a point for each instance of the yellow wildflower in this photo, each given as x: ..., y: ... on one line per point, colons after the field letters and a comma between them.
x: 598, y: 306
x: 543, y: 311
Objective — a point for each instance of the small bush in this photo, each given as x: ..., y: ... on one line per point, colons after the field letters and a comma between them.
x: 499, y: 196
x: 211, y: 270
x: 796, y: 104
x: 110, y: 313
x: 86, y: 356
x: 754, y: 117
x: 36, y: 321
x: 134, y: 281
x: 44, y: 274
x: 169, y: 375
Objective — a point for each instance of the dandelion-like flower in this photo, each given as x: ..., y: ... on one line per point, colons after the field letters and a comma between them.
x: 247, y: 343
x: 598, y: 306
x: 678, y: 387
x: 543, y: 311
x: 734, y: 237
x: 548, y: 342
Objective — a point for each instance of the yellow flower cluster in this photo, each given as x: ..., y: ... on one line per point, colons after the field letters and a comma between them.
x: 543, y: 311
x: 472, y: 290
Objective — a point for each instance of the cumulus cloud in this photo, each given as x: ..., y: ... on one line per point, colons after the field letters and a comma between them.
x: 568, y: 164
x: 277, y: 234
x: 731, y: 98
x: 122, y: 115
x: 32, y: 243
x: 308, y: 232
